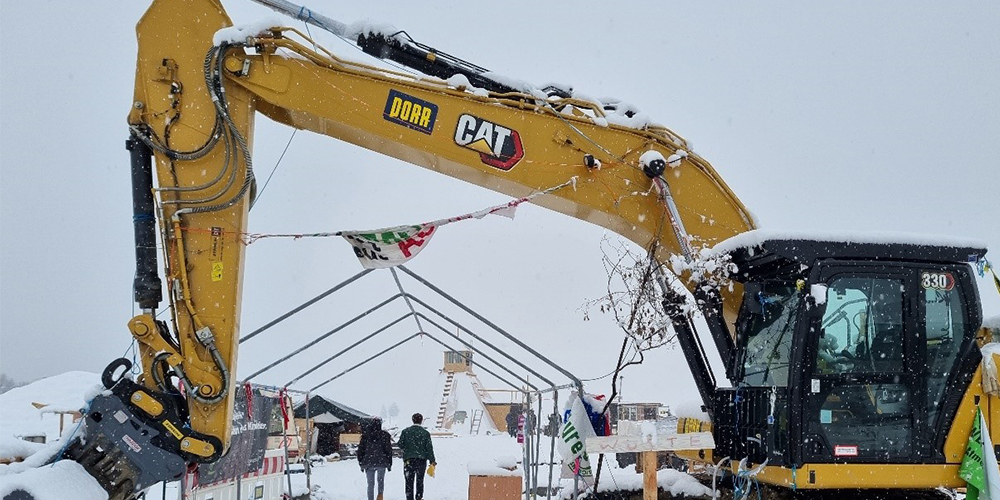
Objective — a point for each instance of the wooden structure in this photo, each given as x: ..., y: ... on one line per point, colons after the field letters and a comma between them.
x: 498, y: 413
x: 464, y: 399
x: 488, y: 481
x: 647, y: 449
x: 75, y: 415
x: 330, y: 420
x: 458, y: 361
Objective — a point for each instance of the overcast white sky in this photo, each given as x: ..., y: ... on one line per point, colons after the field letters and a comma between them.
x: 822, y: 116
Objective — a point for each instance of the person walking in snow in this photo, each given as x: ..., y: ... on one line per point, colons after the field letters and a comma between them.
x: 375, y: 455
x: 415, y: 442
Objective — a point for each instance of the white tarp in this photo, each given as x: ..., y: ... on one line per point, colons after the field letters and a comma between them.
x: 576, y: 430
x: 991, y: 380
x: 992, y: 469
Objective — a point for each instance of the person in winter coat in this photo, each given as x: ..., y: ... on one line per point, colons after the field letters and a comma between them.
x: 415, y: 442
x: 375, y: 455
x: 512, y: 423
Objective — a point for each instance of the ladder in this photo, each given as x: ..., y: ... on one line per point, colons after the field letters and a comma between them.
x: 480, y: 391
x: 449, y: 384
x: 477, y: 420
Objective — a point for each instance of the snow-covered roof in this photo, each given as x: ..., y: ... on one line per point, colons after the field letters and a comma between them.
x: 758, y: 237
x: 326, y: 418
x: 68, y: 391
x: 63, y: 480
x: 319, y: 406
x: 464, y: 395
x: 14, y: 449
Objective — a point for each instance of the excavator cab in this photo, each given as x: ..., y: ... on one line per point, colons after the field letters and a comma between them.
x: 847, y: 353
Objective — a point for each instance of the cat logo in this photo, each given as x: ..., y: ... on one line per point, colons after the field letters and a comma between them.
x: 409, y: 111
x: 498, y: 146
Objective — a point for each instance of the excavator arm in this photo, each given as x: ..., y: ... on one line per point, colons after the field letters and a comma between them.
x: 191, y: 126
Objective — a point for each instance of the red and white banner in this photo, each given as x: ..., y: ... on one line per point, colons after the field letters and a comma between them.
x: 270, y: 465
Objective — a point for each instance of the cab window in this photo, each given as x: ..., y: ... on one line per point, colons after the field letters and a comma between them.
x: 862, y: 327
x: 944, y: 330
x: 770, y: 326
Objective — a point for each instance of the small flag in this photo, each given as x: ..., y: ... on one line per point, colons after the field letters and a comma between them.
x: 971, y: 469
x: 979, y: 466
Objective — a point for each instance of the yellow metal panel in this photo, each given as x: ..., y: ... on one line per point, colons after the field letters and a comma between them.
x: 961, y: 427
x: 173, y: 38
x: 151, y: 406
x: 854, y: 476
x: 348, y: 104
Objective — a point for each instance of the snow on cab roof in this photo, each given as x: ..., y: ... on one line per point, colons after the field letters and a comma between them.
x: 992, y: 323
x: 757, y: 237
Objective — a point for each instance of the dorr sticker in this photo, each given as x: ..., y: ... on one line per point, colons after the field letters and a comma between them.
x: 498, y: 146
x: 410, y: 112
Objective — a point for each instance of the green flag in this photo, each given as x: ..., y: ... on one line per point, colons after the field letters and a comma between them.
x: 972, y: 470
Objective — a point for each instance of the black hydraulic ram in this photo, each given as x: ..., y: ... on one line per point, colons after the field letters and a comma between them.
x: 694, y: 352
x: 147, y: 286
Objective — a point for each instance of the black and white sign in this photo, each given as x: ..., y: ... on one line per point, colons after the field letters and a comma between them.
x: 249, y: 439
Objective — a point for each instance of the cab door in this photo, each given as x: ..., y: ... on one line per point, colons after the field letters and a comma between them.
x: 862, y: 394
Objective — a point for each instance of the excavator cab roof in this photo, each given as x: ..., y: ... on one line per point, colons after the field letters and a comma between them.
x: 759, y: 254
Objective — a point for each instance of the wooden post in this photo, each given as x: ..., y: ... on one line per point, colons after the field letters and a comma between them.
x: 649, y: 466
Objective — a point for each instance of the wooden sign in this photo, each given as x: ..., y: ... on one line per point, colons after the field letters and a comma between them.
x: 647, y: 448
x: 631, y: 444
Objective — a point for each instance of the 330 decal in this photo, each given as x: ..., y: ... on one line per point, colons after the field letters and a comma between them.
x: 937, y: 280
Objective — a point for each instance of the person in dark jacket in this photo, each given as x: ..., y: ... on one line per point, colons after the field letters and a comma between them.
x: 512, y: 422
x: 375, y: 455
x: 415, y: 442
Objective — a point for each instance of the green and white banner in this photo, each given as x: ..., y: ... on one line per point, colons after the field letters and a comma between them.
x: 979, y: 466
x: 576, y: 430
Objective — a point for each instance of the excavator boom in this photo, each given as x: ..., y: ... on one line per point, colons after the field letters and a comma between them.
x: 197, y: 90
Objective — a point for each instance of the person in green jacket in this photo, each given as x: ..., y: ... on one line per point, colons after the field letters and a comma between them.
x: 415, y: 442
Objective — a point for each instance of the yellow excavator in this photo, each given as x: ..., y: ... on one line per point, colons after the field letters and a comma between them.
x: 851, y: 363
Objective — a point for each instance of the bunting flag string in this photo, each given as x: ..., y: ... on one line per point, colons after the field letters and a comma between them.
x: 392, y: 246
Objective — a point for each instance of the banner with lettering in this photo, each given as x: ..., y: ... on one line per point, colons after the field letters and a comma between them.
x: 382, y: 248
x: 576, y: 430
x: 251, y: 420
x: 392, y: 246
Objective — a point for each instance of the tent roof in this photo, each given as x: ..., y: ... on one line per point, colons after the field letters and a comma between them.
x: 320, y: 406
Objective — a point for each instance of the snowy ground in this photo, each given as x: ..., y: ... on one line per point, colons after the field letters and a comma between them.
x: 344, y: 480
x: 341, y: 480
